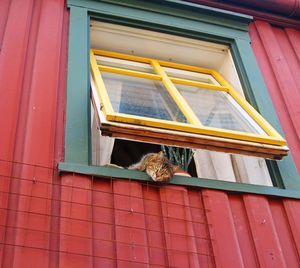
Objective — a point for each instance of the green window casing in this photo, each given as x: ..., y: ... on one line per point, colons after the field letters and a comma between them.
x: 172, y: 17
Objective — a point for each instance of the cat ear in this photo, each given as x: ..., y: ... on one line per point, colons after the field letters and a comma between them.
x: 161, y: 155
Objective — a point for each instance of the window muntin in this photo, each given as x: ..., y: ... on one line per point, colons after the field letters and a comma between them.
x: 189, y: 75
x: 124, y: 64
x: 194, y: 124
x: 218, y: 109
x: 141, y: 97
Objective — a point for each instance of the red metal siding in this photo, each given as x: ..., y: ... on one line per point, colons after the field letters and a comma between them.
x: 278, y: 54
x: 109, y: 223
x: 72, y: 220
x: 32, y: 84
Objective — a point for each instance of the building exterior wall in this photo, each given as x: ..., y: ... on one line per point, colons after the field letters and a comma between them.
x: 49, y: 219
x: 33, y: 60
x: 278, y: 53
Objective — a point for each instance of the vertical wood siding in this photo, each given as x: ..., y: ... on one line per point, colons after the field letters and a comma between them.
x: 71, y: 220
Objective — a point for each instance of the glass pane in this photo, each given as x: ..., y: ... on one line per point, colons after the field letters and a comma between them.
x: 218, y: 109
x: 141, y: 97
x: 199, y: 77
x: 124, y: 64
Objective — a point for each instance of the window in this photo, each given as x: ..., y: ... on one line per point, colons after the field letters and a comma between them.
x: 141, y: 103
x: 178, y: 19
x: 185, y: 99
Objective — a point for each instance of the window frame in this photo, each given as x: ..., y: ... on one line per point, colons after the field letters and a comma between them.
x: 178, y: 18
x: 251, y: 142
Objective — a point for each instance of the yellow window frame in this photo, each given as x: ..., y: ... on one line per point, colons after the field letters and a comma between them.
x: 194, y: 125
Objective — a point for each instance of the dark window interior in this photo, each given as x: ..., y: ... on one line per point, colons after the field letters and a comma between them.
x: 126, y: 153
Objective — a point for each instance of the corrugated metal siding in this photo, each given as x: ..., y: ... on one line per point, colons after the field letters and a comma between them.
x: 110, y: 223
x: 33, y: 39
x: 277, y: 52
x: 47, y: 220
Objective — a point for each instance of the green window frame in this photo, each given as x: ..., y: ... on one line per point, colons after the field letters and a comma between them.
x: 178, y: 18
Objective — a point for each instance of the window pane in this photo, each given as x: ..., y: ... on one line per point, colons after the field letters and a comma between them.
x: 124, y: 64
x: 141, y: 97
x: 199, y: 77
x: 218, y: 109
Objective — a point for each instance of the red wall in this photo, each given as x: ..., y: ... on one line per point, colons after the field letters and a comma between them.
x: 47, y: 220
x: 33, y: 40
x: 278, y: 55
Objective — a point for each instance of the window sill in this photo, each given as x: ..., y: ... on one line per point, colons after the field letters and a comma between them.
x: 112, y: 172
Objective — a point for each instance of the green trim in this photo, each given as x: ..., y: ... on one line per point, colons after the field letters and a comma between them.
x: 115, y: 173
x: 259, y: 97
x: 172, y: 17
x: 178, y: 9
x: 162, y: 24
x: 245, y: 19
x: 77, y: 149
x: 275, y: 174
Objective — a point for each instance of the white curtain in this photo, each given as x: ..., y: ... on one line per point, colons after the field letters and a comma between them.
x: 252, y: 170
x: 102, y: 146
x: 228, y: 167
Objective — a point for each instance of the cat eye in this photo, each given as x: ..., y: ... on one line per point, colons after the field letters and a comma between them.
x: 169, y: 103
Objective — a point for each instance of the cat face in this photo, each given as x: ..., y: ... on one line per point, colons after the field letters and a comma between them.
x: 156, y: 165
x: 159, y: 168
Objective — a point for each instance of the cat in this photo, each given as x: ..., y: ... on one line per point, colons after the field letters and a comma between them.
x: 156, y: 165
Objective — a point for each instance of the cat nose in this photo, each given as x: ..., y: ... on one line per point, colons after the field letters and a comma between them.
x: 158, y: 178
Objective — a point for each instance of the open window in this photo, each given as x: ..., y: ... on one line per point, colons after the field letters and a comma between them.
x: 157, y: 101
x: 177, y: 33
x: 154, y: 88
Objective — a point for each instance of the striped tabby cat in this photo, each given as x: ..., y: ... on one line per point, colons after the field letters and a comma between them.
x: 156, y: 165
